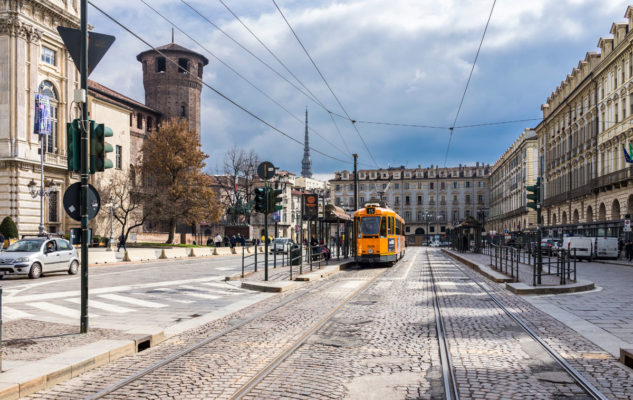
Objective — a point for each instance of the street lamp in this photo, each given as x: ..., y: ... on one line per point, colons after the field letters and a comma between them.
x: 112, y: 206
x: 51, y: 186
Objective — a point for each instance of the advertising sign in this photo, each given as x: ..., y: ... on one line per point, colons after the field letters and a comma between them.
x: 310, y: 207
x: 42, y: 115
x: 277, y: 216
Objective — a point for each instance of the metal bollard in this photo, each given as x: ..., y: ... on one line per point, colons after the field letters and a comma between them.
x: 255, y: 258
x: 243, y: 261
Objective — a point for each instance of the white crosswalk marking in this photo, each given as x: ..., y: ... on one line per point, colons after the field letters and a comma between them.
x: 104, y: 306
x: 9, y: 314
x: 201, y: 295
x: 60, y: 310
x: 182, y: 301
x: 131, y: 300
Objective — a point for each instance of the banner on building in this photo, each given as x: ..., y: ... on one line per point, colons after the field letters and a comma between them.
x: 310, y: 207
x: 42, y: 115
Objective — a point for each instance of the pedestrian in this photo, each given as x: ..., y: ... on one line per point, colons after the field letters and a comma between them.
x: 209, y: 241
x: 620, y: 247
x: 628, y: 249
x: 1, y: 241
x: 238, y: 239
x: 242, y: 241
x: 121, y: 243
x: 233, y: 241
x: 226, y: 241
x: 218, y: 240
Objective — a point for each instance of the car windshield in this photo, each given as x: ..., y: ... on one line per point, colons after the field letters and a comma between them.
x: 26, y: 246
x: 370, y: 225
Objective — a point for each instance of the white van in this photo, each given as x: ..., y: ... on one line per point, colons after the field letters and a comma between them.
x: 605, y: 247
x: 582, y: 245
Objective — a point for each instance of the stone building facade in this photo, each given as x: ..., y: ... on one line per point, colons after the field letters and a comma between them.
x: 173, y: 82
x: 586, y: 122
x: 431, y: 200
x: 515, y: 169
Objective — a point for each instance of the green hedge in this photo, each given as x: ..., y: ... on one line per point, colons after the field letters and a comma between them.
x: 8, y: 228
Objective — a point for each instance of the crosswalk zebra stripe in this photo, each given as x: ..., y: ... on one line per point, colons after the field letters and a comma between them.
x: 60, y: 310
x: 9, y: 314
x: 131, y: 300
x: 104, y: 306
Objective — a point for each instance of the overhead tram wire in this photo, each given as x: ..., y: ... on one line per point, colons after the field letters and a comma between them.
x: 240, y: 75
x: 225, y: 97
x: 326, y: 83
x: 282, y: 64
x: 461, y: 102
x: 314, y: 100
x: 404, y: 125
x: 339, y: 132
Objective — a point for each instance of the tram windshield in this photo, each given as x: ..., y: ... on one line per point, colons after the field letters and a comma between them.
x: 370, y: 225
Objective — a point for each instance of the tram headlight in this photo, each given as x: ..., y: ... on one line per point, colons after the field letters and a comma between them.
x: 370, y: 251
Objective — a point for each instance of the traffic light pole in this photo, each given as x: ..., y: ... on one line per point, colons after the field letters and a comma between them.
x: 266, y: 236
x: 84, y: 168
x: 539, y: 235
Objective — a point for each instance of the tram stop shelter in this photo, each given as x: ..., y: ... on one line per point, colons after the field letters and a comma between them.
x: 336, y: 217
x: 463, y: 234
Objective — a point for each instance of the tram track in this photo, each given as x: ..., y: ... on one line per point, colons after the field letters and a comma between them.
x: 264, y: 371
x: 450, y: 386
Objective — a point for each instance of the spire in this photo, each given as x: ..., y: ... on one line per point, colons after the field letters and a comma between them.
x: 172, y: 34
x: 306, y: 163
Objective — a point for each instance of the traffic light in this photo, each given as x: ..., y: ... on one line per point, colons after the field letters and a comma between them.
x: 261, y: 200
x: 274, y: 200
x: 99, y: 148
x: 534, y: 194
x: 73, y: 146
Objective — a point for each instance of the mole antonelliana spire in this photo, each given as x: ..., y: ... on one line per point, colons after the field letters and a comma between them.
x: 306, y: 163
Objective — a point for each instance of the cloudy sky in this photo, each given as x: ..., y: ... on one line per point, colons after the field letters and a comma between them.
x: 394, y: 61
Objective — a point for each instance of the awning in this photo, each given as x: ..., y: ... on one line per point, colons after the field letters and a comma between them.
x: 335, y: 214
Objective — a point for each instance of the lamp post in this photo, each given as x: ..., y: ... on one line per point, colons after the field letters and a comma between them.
x: 112, y: 207
x: 51, y: 186
x: 427, y: 215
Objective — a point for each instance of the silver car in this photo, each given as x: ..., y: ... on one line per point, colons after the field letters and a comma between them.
x: 37, y: 256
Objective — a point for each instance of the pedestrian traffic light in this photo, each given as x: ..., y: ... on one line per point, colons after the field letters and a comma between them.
x: 534, y: 194
x: 99, y: 148
x: 261, y: 199
x: 73, y: 146
x: 274, y: 200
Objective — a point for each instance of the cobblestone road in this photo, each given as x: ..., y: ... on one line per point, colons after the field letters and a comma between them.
x: 380, y: 345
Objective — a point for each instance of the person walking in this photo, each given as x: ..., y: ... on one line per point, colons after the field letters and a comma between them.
x: 238, y: 239
x: 628, y: 250
x: 242, y: 241
x: 233, y: 241
x: 121, y: 243
x: 218, y: 240
x: 226, y: 241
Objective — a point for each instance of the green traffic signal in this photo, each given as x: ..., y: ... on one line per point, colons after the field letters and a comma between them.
x: 99, y: 148
x: 274, y: 200
x: 534, y: 194
x: 73, y: 146
x: 261, y: 200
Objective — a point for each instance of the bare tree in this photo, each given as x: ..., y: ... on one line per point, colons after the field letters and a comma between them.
x: 239, y: 176
x: 125, y: 190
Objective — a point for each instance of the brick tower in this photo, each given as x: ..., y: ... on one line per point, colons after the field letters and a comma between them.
x: 174, y: 91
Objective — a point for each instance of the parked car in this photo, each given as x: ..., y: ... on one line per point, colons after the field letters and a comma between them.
x: 581, y: 247
x: 37, y: 256
x: 281, y: 245
x: 605, y: 247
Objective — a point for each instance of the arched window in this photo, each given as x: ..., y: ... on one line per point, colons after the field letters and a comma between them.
x: 183, y: 111
x: 47, y: 89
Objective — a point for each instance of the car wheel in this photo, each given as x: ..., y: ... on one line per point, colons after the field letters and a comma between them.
x: 36, y: 271
x: 74, y: 267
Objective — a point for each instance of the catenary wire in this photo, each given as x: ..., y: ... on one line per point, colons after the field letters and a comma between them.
x: 461, y: 102
x: 326, y: 82
x: 120, y: 24
x: 316, y: 101
x: 446, y: 127
x: 282, y: 64
x: 240, y: 75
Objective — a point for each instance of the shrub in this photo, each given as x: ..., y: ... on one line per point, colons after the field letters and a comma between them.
x: 8, y: 228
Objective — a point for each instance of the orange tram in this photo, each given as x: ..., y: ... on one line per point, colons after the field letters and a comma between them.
x: 379, y: 235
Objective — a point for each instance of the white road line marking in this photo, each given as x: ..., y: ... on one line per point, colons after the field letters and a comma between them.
x: 131, y: 300
x: 352, y: 284
x: 182, y: 301
x: 201, y: 295
x: 104, y: 306
x: 9, y: 314
x: 60, y: 310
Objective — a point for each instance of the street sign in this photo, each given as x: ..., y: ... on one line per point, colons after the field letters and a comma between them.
x: 297, y: 229
x: 266, y: 170
x: 627, y: 225
x: 551, y: 232
x: 560, y: 231
x: 72, y: 202
x: 98, y: 45
x: 277, y: 216
x: 310, y: 207
x: 75, y: 235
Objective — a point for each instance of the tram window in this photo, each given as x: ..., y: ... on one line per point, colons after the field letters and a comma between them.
x: 383, y: 227
x: 390, y: 225
x: 397, y: 227
x: 357, y: 226
x: 370, y: 225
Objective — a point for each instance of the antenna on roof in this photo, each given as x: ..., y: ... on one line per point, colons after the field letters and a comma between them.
x: 172, y: 34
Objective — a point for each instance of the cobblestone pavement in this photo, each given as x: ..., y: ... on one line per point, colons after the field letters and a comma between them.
x: 218, y: 369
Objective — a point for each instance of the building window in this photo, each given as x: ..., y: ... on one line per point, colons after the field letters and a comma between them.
x: 454, y: 185
x: 160, y: 64
x: 443, y: 186
x: 397, y: 186
x: 406, y: 185
x: 150, y: 122
x: 131, y: 119
x: 337, y: 201
x: 397, y: 200
x: 407, y: 215
x: 200, y: 70
x: 48, y: 55
x: 52, y: 207
x: 47, y: 89
x: 467, y: 199
x: 183, y: 112
x: 183, y: 65
x: 407, y: 201
x: 118, y: 157
x: 443, y: 229
x: 337, y: 188
x: 467, y: 184
x: 431, y: 185
x: 419, y: 200
x: 361, y: 200
x: 480, y: 199
x: 362, y: 187
x: 139, y: 121
x: 432, y: 229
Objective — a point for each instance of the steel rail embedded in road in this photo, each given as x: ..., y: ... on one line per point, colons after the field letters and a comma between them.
x: 448, y: 374
x: 582, y: 382
x: 254, y: 381
x: 112, y: 388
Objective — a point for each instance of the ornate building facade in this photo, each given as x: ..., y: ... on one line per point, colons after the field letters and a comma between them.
x: 586, y: 123
x: 515, y: 169
x: 431, y: 200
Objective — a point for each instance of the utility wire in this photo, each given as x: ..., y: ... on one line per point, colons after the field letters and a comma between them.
x: 316, y: 101
x: 326, y: 82
x: 211, y: 87
x: 240, y: 75
x: 339, y: 132
x: 446, y: 127
x: 461, y: 102
x: 283, y: 65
